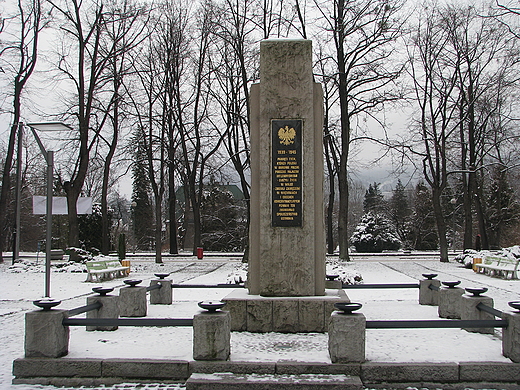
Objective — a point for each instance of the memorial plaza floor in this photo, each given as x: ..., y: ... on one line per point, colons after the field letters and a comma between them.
x: 22, y: 285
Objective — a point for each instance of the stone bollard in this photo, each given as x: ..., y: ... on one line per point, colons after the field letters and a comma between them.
x: 333, y: 283
x: 45, y: 335
x: 212, y: 335
x: 132, y: 301
x: 347, y: 337
x: 449, y: 300
x: 110, y: 309
x: 163, y: 295
x: 469, y: 310
x: 427, y: 295
x: 511, y: 335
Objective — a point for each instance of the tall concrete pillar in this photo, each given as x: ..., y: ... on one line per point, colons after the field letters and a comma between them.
x: 287, y: 230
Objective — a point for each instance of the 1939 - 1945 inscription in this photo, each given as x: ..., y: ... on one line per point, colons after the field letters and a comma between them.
x: 286, y: 172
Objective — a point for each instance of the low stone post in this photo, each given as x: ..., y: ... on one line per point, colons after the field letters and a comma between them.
x: 212, y: 335
x: 511, y: 336
x: 132, y: 301
x: 163, y: 295
x: 347, y: 337
x: 333, y: 283
x: 449, y: 300
x: 45, y: 335
x: 110, y: 309
x: 429, y: 290
x: 469, y: 311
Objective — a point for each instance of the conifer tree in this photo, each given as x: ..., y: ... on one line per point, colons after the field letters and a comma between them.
x: 424, y: 233
x: 399, y: 212
x: 142, y: 209
x: 374, y: 201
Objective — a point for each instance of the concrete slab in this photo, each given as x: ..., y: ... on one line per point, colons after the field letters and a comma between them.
x: 229, y: 381
x: 409, y: 372
x: 208, y: 367
x: 489, y: 372
x: 42, y: 367
x: 146, y: 368
x: 297, y: 368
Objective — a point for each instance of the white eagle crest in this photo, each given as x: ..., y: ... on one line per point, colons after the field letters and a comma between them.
x: 286, y: 135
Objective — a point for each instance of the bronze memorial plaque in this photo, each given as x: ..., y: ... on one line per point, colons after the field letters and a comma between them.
x: 287, y: 172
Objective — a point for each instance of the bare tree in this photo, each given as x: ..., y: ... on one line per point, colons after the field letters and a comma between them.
x: 364, y: 33
x: 18, y: 58
x: 85, y: 25
x: 434, y: 85
x: 150, y: 124
x: 234, y: 72
x: 124, y: 34
x: 484, y: 57
x: 196, y: 133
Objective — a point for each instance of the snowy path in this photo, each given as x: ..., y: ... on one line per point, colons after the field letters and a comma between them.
x: 18, y: 290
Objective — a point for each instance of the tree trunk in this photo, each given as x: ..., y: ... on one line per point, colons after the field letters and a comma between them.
x: 343, y: 239
x: 6, y: 186
x: 172, y: 200
x: 332, y: 196
x: 441, y: 224
x: 158, y: 231
x: 72, y: 199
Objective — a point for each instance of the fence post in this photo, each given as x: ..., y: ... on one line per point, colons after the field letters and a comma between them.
x: 469, y: 311
x: 110, y: 309
x: 347, y: 337
x: 212, y: 335
x: 511, y: 336
x: 163, y: 295
x: 45, y: 335
x: 428, y: 295
x: 132, y: 301
x: 449, y: 301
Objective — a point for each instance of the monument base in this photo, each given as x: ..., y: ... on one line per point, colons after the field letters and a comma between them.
x: 255, y: 313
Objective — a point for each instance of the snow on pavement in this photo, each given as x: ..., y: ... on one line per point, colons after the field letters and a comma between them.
x: 18, y: 290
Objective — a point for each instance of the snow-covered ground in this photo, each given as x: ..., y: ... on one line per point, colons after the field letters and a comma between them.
x: 20, y: 286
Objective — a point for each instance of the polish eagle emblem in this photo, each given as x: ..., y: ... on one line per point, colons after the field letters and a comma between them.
x: 286, y: 135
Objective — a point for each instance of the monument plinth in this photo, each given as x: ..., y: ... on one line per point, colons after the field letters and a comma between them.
x: 286, y: 275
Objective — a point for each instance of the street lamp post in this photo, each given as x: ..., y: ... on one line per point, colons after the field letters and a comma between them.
x: 49, y: 158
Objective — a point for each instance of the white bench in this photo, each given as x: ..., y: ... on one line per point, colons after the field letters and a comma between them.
x: 99, y: 270
x: 503, y: 266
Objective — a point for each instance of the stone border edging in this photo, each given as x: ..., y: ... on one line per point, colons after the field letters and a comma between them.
x: 88, y: 372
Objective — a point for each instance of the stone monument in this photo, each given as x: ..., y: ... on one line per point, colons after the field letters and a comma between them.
x: 286, y: 276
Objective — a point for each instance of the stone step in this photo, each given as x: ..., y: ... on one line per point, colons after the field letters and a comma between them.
x: 230, y: 381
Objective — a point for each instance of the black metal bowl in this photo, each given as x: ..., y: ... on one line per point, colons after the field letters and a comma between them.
x: 102, y: 290
x: 211, y: 306
x: 430, y: 276
x: 162, y: 275
x: 451, y: 283
x: 46, y: 303
x: 476, y: 291
x: 132, y: 282
x: 514, y: 305
x: 348, y: 307
x: 332, y: 277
